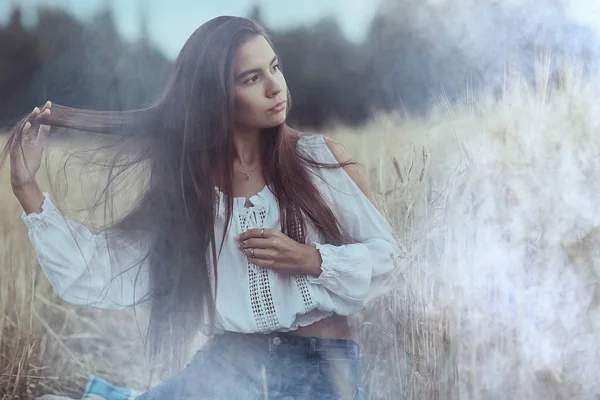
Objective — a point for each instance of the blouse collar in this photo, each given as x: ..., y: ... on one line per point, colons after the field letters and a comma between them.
x: 261, y: 200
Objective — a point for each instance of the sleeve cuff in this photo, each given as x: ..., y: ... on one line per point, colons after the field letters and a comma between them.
x: 345, y: 270
x: 38, y: 219
x: 329, y: 273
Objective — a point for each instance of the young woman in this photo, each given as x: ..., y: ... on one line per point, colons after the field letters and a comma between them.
x: 261, y: 237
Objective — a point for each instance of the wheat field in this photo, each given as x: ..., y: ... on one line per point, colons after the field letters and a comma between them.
x: 495, y: 206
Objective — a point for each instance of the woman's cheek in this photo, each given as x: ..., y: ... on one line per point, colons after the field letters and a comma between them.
x: 241, y: 104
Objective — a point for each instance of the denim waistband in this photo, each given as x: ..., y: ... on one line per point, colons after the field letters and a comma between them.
x: 309, y: 345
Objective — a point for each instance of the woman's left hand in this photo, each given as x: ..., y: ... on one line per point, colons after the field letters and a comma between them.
x: 270, y: 248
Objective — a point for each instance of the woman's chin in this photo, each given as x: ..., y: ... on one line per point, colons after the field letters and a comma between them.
x: 275, y: 122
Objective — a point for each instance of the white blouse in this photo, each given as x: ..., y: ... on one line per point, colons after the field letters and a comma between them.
x: 250, y: 298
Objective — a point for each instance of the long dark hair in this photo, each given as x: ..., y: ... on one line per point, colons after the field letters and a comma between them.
x: 183, y: 141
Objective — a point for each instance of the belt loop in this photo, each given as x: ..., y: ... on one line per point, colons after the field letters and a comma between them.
x: 313, y: 342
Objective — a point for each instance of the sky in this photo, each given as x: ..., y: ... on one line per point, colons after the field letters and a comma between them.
x: 171, y: 22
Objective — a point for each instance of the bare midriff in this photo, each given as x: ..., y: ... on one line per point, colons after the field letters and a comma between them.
x: 334, y: 327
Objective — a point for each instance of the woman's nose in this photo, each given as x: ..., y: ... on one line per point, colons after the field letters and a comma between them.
x: 275, y: 87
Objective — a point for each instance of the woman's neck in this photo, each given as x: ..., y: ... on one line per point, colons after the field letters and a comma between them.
x: 247, y: 148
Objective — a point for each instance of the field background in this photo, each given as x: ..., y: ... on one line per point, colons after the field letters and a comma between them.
x: 495, y: 204
x: 483, y: 149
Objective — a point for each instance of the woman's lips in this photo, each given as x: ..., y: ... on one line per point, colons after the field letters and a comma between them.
x: 278, y: 107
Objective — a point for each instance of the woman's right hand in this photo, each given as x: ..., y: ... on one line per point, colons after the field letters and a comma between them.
x: 25, y: 164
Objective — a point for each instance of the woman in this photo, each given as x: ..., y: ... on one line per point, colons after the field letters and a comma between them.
x: 301, y: 245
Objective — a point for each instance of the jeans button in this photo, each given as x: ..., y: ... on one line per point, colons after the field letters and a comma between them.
x: 276, y: 341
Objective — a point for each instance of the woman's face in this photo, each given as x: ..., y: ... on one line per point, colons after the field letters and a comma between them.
x: 258, y: 86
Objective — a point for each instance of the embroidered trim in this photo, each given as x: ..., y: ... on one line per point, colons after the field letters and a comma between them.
x: 261, y: 298
x: 300, y: 280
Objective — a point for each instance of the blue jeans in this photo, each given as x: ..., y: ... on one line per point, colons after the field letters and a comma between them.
x: 275, y: 366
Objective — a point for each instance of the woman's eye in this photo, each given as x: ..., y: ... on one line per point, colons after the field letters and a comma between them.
x: 253, y: 79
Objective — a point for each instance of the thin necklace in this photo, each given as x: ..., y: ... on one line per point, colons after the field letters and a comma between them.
x: 248, y: 174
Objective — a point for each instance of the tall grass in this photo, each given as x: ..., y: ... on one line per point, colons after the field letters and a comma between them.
x: 495, y: 205
x: 46, y: 344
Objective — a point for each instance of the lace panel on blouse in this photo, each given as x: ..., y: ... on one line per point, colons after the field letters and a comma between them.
x: 261, y: 297
x: 301, y: 281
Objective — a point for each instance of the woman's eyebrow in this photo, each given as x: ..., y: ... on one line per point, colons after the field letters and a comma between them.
x: 249, y: 71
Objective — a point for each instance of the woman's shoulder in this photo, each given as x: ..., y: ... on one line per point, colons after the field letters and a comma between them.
x: 329, y: 150
x: 322, y: 147
x: 312, y: 144
x: 307, y: 137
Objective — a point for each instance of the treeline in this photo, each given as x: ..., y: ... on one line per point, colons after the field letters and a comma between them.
x: 89, y: 65
x: 77, y: 64
x: 412, y: 53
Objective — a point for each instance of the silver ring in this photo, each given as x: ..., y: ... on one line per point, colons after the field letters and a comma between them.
x: 252, y: 252
x: 262, y: 232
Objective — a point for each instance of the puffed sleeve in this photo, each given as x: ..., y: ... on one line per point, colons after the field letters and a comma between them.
x: 79, y: 265
x: 359, y: 272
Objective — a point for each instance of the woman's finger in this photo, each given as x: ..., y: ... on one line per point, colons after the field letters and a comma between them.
x: 29, y: 132
x: 34, y: 113
x: 43, y: 113
x: 45, y: 107
x: 259, y: 254
x: 44, y: 130
x: 28, y: 125
x: 26, y: 128
x: 255, y: 242
x: 37, y: 124
x: 39, y: 115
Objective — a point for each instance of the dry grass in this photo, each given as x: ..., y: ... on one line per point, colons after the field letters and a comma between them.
x: 46, y: 344
x: 495, y: 206
x: 495, y: 203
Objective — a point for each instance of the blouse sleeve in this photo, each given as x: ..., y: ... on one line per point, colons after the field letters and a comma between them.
x: 79, y: 265
x: 359, y: 272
